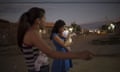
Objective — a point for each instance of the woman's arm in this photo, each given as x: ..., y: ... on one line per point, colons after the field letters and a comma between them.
x: 39, y: 42
x: 63, y: 43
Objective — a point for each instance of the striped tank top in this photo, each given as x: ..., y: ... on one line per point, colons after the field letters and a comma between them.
x: 30, y: 55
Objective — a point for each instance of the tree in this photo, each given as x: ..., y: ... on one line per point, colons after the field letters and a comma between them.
x: 76, y: 27
x: 104, y: 27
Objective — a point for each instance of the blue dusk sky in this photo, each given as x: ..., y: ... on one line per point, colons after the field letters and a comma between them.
x: 79, y: 11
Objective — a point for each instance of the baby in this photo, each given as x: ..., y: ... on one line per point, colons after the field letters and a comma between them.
x: 68, y: 40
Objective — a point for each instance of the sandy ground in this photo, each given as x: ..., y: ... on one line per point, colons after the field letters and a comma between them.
x: 11, y: 59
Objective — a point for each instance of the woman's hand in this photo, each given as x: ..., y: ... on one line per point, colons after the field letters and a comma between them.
x: 86, y: 55
x: 69, y: 49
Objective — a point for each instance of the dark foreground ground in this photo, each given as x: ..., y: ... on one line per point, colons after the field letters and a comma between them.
x: 11, y: 59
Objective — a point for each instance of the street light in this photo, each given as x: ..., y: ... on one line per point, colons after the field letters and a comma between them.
x: 111, y: 27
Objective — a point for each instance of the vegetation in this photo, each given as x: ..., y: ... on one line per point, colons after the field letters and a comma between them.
x: 76, y: 27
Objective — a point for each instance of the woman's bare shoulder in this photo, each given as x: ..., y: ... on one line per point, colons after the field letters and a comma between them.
x: 28, y: 36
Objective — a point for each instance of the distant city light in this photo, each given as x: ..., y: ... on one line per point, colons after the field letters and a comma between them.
x: 111, y: 27
x: 44, y: 32
x: 40, y: 30
x: 98, y: 32
x: 91, y: 31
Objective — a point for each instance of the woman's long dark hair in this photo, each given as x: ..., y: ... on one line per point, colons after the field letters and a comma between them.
x: 57, y: 26
x: 26, y: 21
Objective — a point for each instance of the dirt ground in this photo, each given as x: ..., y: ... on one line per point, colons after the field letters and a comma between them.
x: 11, y: 59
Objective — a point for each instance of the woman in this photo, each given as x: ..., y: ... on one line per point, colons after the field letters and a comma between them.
x: 30, y: 41
x: 59, y: 40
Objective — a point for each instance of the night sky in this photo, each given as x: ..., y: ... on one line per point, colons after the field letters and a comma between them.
x: 79, y: 11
